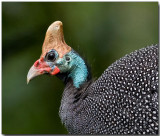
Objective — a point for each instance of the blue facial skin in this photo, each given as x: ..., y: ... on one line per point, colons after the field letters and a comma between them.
x: 73, y: 64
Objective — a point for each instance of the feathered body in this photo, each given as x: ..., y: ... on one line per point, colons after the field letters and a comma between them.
x: 123, y: 100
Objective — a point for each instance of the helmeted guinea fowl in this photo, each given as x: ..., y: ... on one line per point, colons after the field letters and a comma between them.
x: 123, y: 100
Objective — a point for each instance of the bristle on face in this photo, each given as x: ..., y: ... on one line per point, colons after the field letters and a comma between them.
x: 54, y: 39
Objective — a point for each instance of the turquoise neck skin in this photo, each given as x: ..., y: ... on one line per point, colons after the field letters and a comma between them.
x: 75, y: 68
x: 79, y: 71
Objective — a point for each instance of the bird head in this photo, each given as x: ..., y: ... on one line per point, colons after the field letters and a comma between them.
x: 57, y: 57
x: 54, y: 58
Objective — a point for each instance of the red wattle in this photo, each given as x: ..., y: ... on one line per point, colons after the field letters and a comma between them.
x: 43, y: 67
x: 55, y: 71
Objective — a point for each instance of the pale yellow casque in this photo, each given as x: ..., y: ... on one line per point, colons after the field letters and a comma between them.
x: 54, y: 39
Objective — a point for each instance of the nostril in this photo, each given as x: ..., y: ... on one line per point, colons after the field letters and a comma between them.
x: 36, y: 63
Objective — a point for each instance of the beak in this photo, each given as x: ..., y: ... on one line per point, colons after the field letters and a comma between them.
x: 33, y: 72
x: 40, y: 67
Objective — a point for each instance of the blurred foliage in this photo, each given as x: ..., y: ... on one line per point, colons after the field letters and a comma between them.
x: 102, y: 32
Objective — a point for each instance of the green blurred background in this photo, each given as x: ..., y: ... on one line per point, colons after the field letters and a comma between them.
x: 101, y: 32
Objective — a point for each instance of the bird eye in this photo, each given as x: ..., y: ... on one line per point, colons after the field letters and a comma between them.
x: 51, y: 56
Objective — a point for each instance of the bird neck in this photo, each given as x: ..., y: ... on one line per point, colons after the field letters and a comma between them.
x: 76, y: 80
x: 79, y: 73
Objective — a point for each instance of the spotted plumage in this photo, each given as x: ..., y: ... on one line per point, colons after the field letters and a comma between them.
x: 123, y: 100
